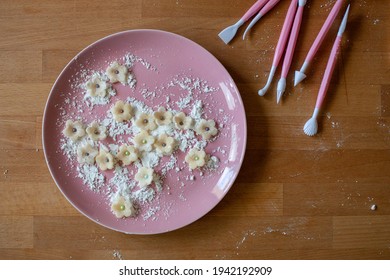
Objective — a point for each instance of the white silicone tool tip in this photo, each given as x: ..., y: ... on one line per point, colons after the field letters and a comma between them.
x: 262, y: 91
x: 299, y: 77
x: 280, y: 89
x: 311, y: 126
x: 302, y: 3
x: 253, y: 22
x: 229, y: 32
x: 344, y: 22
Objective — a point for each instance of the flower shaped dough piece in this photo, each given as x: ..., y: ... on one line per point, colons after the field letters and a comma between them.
x: 122, y: 111
x: 143, y: 141
x: 162, y: 117
x: 105, y: 160
x: 96, y: 87
x: 182, y: 121
x: 86, y: 154
x: 144, y: 176
x: 164, y: 144
x: 146, y: 122
x: 122, y: 208
x: 206, y: 129
x: 96, y: 132
x: 127, y: 154
x: 74, y: 130
x: 117, y: 73
x: 195, y: 158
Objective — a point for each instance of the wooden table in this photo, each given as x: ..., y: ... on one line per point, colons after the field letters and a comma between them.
x: 296, y: 197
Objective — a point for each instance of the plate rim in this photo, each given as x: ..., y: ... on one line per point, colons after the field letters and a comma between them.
x: 51, y: 94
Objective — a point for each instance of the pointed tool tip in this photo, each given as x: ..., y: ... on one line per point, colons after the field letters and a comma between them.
x: 344, y: 22
x: 245, y: 32
x: 349, y: 6
x: 279, y: 96
x: 250, y: 26
x: 299, y: 77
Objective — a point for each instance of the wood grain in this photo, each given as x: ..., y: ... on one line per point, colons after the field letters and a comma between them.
x: 296, y: 197
x: 31, y: 99
x: 20, y: 66
x: 16, y: 232
x: 337, y: 199
x: 361, y: 232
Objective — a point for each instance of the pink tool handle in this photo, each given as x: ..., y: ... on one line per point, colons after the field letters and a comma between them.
x: 324, y: 30
x: 285, y: 32
x: 254, y: 9
x: 328, y: 72
x: 292, y: 42
x: 268, y: 7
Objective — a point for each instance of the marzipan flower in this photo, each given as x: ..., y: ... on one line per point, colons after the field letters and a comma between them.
x: 74, y: 130
x: 122, y: 111
x: 96, y: 87
x: 162, y: 116
x: 164, y: 144
x: 117, y: 72
x: 146, y: 122
x: 195, y: 158
x: 143, y: 141
x: 127, y: 154
x: 144, y: 176
x: 96, y: 132
x: 86, y: 154
x: 122, y: 208
x: 206, y: 129
x: 105, y: 160
x: 182, y: 121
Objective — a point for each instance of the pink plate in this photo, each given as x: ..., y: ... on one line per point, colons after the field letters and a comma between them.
x: 161, y: 57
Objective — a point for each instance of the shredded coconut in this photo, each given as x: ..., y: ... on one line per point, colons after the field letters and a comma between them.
x: 150, y: 159
x: 116, y: 129
x: 169, y: 165
x: 150, y: 213
x: 91, y: 177
x: 131, y: 59
x: 164, y: 129
x: 69, y: 148
x: 197, y: 111
x: 184, y: 102
x: 122, y: 182
x: 139, y: 107
x: 144, y: 195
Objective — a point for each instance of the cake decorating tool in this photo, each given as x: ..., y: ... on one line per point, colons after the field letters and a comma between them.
x: 300, y: 75
x: 263, y: 11
x: 290, y: 49
x: 311, y: 125
x: 281, y: 44
x: 228, y: 33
